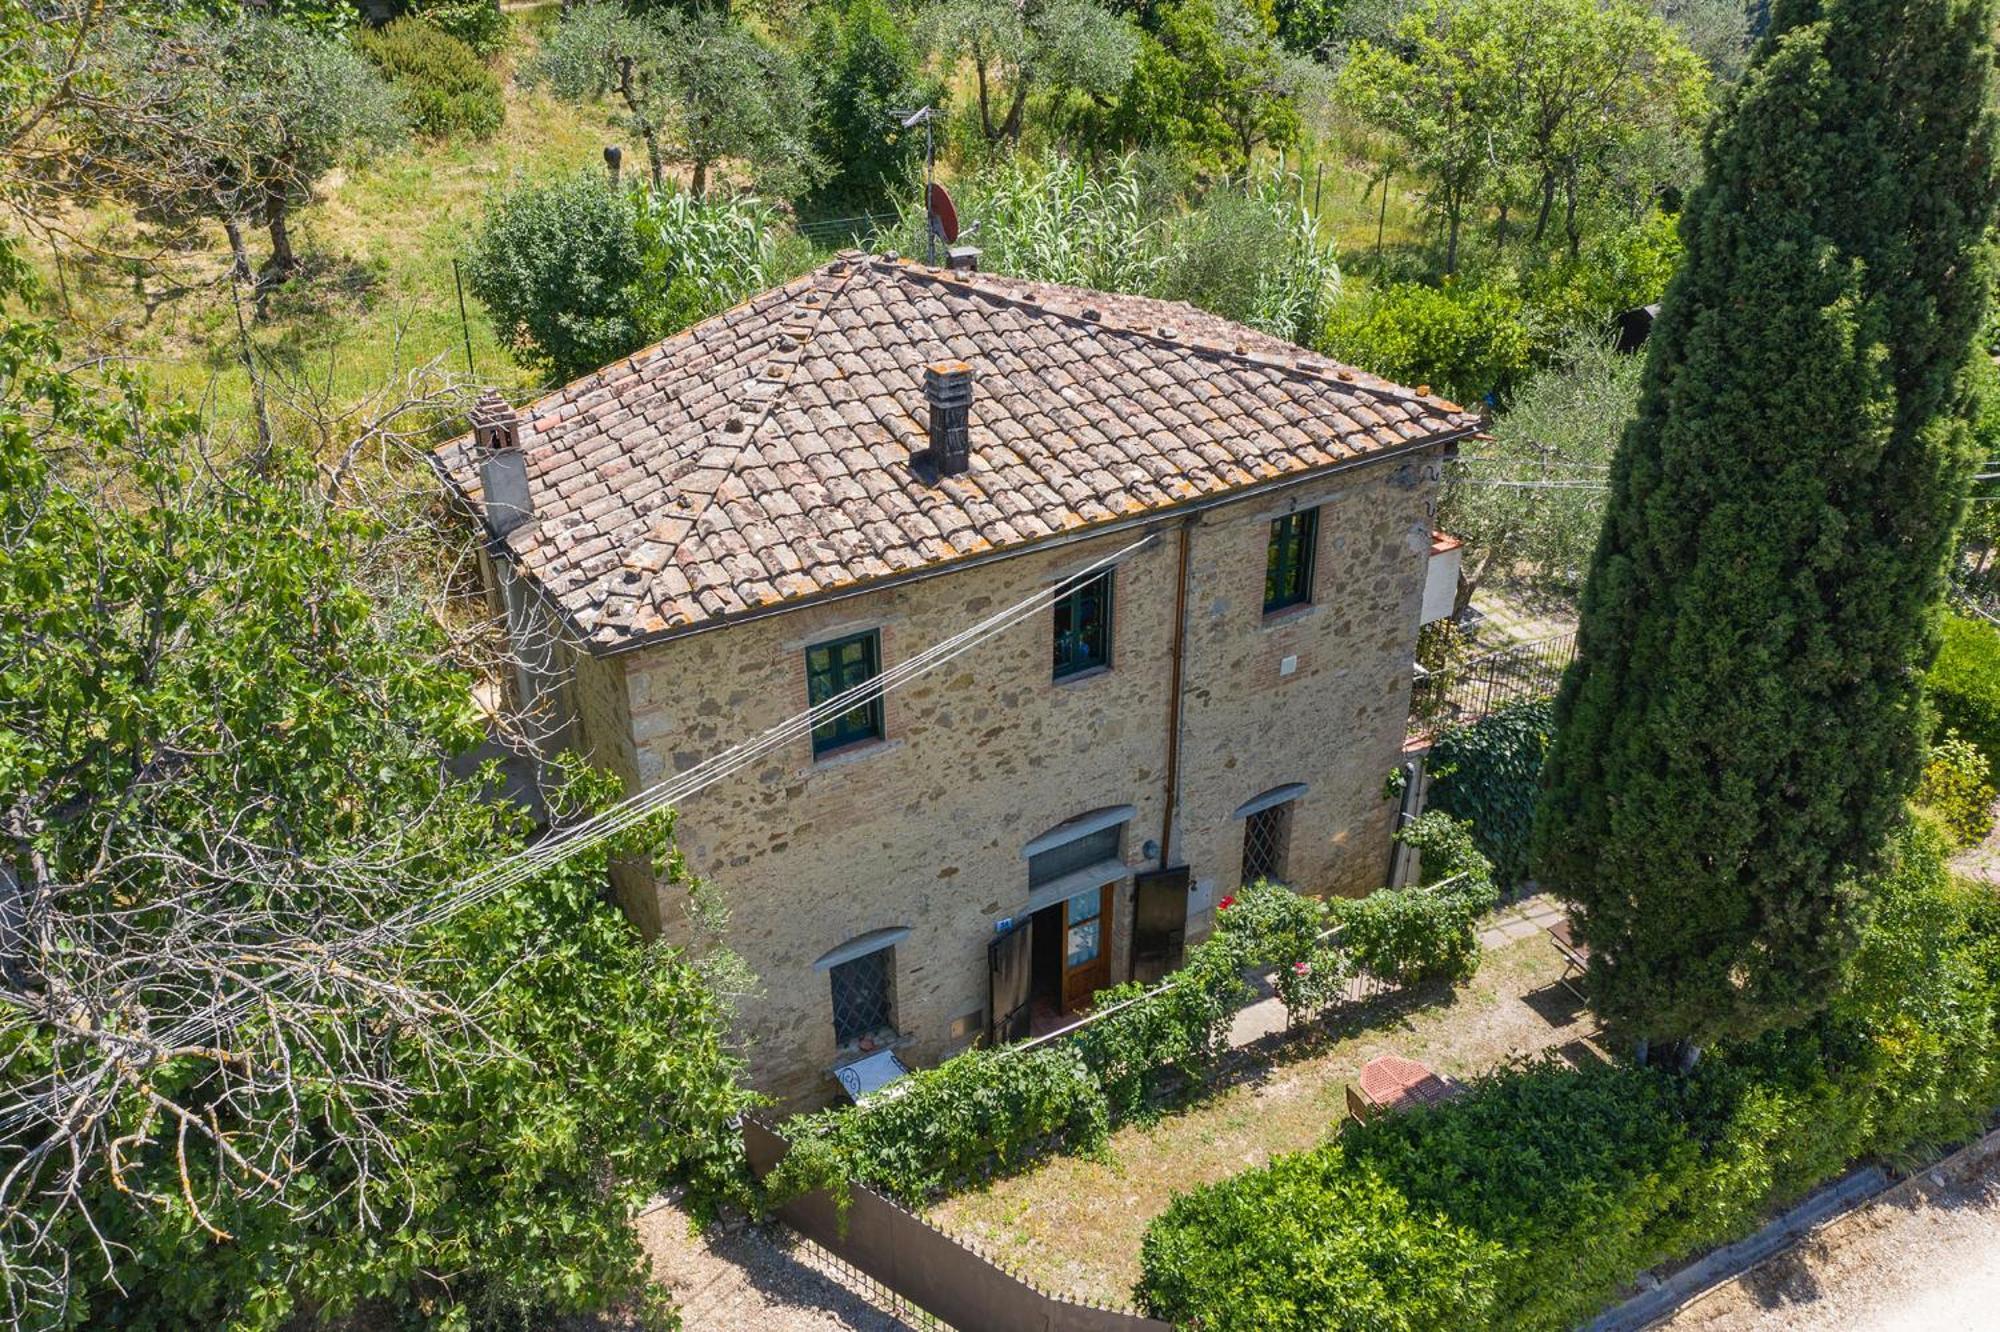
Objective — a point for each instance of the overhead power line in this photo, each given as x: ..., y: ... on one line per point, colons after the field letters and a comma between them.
x: 530, y: 862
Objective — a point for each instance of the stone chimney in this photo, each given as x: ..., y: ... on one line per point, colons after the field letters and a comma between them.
x: 948, y: 390
x: 503, y: 467
x: 962, y: 258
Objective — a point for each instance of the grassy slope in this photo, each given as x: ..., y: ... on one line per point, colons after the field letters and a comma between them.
x: 378, y: 298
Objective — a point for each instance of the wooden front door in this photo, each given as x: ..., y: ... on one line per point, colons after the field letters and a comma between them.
x: 1086, y: 946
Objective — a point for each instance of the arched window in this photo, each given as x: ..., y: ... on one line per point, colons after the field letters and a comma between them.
x: 1267, y: 832
x: 862, y: 973
x: 1088, y: 847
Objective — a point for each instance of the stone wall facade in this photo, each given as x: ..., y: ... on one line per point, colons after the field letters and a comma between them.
x: 924, y: 830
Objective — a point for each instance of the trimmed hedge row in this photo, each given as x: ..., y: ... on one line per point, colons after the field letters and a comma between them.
x: 1531, y: 1200
x: 987, y: 1110
x: 984, y: 1111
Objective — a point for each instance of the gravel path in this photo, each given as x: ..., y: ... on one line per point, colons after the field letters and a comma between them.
x: 1928, y: 1263
x: 751, y: 1277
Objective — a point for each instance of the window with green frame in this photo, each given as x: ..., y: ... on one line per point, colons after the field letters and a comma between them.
x: 1083, y: 627
x: 1288, y: 563
x: 833, y: 668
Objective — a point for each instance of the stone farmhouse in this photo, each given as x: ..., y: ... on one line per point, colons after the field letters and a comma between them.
x: 698, y: 542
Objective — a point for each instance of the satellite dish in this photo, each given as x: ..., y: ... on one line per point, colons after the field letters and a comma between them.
x: 944, y: 216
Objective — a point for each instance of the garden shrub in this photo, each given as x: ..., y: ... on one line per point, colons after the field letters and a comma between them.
x: 555, y: 263
x: 1413, y: 935
x: 442, y: 85
x: 1464, y: 340
x: 1956, y: 789
x: 1964, y: 685
x: 480, y: 24
x: 1487, y: 773
x: 946, y: 1125
x: 1312, y: 1243
x: 1560, y: 1185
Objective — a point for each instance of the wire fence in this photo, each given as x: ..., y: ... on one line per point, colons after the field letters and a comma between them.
x: 1463, y: 692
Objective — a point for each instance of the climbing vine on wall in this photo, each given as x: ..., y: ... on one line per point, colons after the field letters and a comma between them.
x: 1488, y: 774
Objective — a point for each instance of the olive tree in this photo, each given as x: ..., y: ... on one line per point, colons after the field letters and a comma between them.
x: 698, y: 89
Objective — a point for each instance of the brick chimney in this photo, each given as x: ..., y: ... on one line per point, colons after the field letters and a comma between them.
x: 948, y: 390
x: 503, y: 467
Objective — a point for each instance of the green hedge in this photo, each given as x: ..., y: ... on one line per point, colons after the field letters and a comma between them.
x: 1462, y: 339
x: 1964, y: 685
x: 1488, y: 773
x: 1312, y: 1242
x: 984, y: 1111
x: 1545, y: 1189
x: 441, y: 82
x: 987, y: 1110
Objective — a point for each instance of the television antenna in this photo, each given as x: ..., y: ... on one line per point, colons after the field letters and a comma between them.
x: 932, y: 190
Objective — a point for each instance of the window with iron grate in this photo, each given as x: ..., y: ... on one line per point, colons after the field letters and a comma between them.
x: 862, y: 999
x: 1266, y: 834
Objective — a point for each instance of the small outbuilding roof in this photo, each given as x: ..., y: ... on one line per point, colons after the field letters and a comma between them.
x: 765, y: 456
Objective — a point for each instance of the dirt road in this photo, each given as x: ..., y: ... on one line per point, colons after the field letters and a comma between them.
x: 1929, y: 1263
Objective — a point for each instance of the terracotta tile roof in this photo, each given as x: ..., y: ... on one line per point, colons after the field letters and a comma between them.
x: 764, y: 456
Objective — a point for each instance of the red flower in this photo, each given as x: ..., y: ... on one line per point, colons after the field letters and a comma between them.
x: 1225, y: 904
x: 1301, y: 968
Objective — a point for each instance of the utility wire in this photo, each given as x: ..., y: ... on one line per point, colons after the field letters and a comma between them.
x: 533, y: 861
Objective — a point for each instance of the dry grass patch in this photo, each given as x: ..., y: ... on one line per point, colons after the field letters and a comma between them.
x: 1074, y: 1224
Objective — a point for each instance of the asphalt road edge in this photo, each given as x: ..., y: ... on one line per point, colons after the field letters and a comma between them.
x: 1664, y: 1297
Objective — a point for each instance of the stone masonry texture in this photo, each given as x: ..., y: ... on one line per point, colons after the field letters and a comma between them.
x: 925, y: 829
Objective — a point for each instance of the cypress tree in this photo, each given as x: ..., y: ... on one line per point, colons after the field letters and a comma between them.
x: 1742, y: 728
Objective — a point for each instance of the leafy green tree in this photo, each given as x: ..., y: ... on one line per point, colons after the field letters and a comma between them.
x: 698, y: 88
x: 1467, y: 340
x: 1716, y: 30
x: 1440, y: 89
x: 1063, y: 46
x: 253, y: 1075
x: 235, y: 121
x: 864, y: 67
x: 1743, y: 727
x: 1214, y: 83
x: 554, y: 264
x: 1530, y: 500
x: 304, y: 104
x: 1567, y: 105
x: 575, y: 274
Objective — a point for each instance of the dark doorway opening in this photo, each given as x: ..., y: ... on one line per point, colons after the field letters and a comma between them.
x: 1045, y: 983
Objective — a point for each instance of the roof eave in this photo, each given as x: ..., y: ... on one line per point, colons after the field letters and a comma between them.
x: 1151, y: 517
